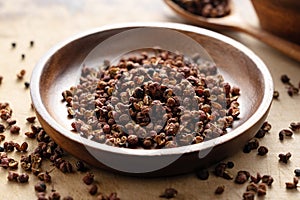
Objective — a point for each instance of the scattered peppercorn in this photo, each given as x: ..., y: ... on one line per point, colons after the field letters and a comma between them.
x: 242, y: 177
x: 9, y: 146
x: 1, y: 79
x: 227, y: 175
x: 230, y: 164
x: 81, y: 166
x: 31, y: 43
x: 169, y: 193
x: 44, y: 176
x: 290, y: 91
x: 2, y: 128
x: 64, y: 166
x: 249, y: 195
x: 14, y: 129
x: 42, y: 196
x: 202, y: 174
x: 102, y: 196
x: 251, y: 145
x: 295, y: 126
x: 13, y: 45
x: 220, y: 189
x: 252, y: 187
x: 263, y: 130
x: 13, y: 164
x: 261, y: 192
x: 262, y: 186
x: 281, y: 135
x: 260, y: 133
x: 88, y: 178
x: 297, y: 172
x: 23, y: 147
x: 30, y: 134
x: 262, y: 150
x: 247, y: 149
x: 46, y: 149
x: 26, y: 84
x: 290, y: 185
x: 113, y: 196
x: 93, y: 189
x: 2, y: 137
x: 40, y: 186
x: 219, y: 169
x: 286, y: 132
x: 31, y: 119
x: 54, y: 196
x: 23, y: 178
x: 11, y: 121
x: 21, y: 74
x: 12, y: 176
x: 285, y: 79
x: 267, y: 179
x: 2, y: 149
x: 266, y: 126
x: 275, y: 95
x: 22, y: 56
x: 284, y: 157
x: 5, y: 111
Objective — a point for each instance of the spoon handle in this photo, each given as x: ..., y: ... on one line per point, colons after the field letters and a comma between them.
x: 288, y: 48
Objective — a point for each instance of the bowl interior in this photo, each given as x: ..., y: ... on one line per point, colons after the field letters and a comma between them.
x: 61, y: 68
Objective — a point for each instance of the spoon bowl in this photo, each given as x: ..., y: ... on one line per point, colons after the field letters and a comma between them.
x: 235, y: 22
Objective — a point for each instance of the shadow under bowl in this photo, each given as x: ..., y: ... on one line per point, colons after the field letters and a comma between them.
x: 61, y: 67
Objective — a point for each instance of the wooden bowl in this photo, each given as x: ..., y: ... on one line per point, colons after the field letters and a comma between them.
x: 61, y: 66
x: 280, y: 17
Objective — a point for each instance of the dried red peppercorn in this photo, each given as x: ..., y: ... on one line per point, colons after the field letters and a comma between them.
x: 40, y: 186
x: 220, y: 189
x: 169, y: 193
x: 284, y: 157
x: 88, y: 178
x: 262, y: 150
x: 93, y: 189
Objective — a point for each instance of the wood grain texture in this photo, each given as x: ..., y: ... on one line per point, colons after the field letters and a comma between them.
x: 48, y: 23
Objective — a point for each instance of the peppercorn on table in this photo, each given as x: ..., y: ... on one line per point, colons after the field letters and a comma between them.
x: 29, y: 28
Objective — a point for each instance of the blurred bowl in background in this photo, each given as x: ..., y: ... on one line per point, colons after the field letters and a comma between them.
x: 280, y: 17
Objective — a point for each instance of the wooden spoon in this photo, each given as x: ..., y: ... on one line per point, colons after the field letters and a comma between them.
x: 234, y: 22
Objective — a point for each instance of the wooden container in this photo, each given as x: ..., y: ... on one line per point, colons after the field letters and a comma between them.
x: 280, y: 17
x: 58, y: 70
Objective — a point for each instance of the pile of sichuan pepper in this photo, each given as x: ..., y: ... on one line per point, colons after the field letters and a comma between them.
x: 205, y: 8
x: 152, y: 100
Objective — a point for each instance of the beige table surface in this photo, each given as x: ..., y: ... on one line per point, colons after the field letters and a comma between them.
x: 47, y: 22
